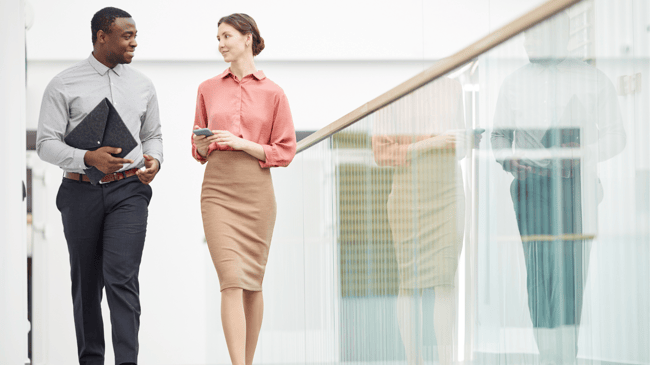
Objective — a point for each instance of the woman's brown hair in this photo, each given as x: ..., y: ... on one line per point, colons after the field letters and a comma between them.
x: 245, y: 25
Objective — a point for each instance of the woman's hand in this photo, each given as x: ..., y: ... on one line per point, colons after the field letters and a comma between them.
x: 447, y: 141
x: 203, y: 142
x: 225, y: 138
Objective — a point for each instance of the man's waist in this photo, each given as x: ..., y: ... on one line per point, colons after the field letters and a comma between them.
x: 116, y: 176
x: 567, y: 171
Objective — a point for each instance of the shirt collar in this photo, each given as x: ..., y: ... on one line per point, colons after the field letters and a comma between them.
x: 101, y: 68
x: 558, y: 65
x: 259, y: 74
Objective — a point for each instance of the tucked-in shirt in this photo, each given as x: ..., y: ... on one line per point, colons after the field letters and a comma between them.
x: 253, y: 108
x: 76, y: 91
x: 542, y: 106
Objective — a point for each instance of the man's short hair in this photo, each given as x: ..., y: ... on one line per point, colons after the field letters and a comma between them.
x: 103, y: 19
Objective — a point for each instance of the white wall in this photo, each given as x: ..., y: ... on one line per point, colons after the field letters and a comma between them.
x: 293, y: 29
x: 13, y: 251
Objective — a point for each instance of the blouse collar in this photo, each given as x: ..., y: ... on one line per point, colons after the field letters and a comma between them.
x: 259, y: 74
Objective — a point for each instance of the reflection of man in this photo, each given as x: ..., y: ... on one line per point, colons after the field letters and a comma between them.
x: 104, y: 224
x: 555, y: 118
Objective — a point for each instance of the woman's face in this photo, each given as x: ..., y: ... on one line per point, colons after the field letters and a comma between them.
x: 232, y: 44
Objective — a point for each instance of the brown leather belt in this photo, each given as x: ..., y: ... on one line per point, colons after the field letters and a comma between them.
x: 108, y: 178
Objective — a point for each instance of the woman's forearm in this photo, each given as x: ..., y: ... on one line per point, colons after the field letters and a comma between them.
x: 255, y: 150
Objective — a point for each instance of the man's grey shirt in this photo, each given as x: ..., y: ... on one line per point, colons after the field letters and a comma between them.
x: 75, y: 92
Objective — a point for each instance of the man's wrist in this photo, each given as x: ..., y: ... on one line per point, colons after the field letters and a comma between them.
x: 88, y: 157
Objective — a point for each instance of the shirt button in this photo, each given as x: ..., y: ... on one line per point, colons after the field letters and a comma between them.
x: 98, y: 142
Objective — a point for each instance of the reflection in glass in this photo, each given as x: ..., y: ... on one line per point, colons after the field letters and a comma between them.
x: 556, y: 118
x: 423, y: 138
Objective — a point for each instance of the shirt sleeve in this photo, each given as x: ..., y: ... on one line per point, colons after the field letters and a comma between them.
x: 200, y: 119
x: 282, y: 143
x: 502, y: 136
x: 52, y: 124
x: 611, y: 137
x: 151, y: 131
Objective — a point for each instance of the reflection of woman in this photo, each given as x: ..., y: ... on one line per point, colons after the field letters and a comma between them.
x: 253, y: 130
x: 426, y: 206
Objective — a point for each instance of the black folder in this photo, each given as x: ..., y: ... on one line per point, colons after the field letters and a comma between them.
x: 103, y: 126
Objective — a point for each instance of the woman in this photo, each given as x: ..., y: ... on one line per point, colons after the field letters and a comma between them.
x: 423, y: 138
x: 252, y: 130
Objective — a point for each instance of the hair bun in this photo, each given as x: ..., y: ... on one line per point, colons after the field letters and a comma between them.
x: 258, y: 45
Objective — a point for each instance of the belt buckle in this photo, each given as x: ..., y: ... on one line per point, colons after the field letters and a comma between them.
x: 101, y: 182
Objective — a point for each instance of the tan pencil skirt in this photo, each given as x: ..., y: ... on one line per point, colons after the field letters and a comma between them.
x: 238, y: 209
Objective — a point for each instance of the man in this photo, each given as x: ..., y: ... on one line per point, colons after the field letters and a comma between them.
x: 104, y: 224
x: 555, y: 119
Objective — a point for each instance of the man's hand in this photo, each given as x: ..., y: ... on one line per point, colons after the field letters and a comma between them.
x: 103, y: 159
x: 150, y: 171
x: 568, y: 165
x: 518, y: 170
x: 477, y: 137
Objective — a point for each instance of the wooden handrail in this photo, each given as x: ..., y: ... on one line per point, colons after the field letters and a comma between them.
x: 440, y: 68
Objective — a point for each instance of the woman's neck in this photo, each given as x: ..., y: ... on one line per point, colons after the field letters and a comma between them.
x: 243, y: 68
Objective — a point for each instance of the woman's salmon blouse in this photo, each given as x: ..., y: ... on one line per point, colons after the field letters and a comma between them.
x: 253, y: 108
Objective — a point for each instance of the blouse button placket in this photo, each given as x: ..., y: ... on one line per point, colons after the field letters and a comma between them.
x: 237, y: 126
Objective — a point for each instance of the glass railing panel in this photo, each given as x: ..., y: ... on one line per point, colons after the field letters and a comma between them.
x: 498, y: 214
x: 322, y: 327
x: 562, y: 195
x: 301, y: 325
x: 399, y: 206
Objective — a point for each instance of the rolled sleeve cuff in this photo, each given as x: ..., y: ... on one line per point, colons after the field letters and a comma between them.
x: 197, y: 156
x: 271, y: 157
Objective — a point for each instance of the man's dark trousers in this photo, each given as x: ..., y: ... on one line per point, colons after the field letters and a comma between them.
x: 105, y: 227
x: 556, y: 270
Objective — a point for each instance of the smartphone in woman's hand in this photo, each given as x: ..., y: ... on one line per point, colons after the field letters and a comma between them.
x: 203, y: 132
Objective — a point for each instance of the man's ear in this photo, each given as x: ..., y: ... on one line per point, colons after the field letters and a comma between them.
x: 101, y: 36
